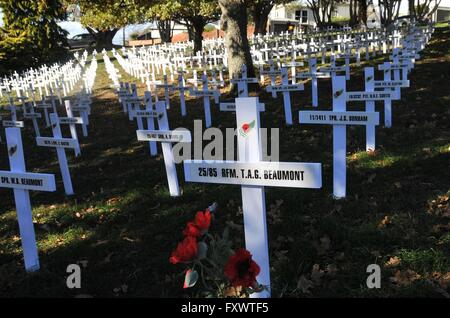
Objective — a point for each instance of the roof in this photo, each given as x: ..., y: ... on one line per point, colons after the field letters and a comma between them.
x: 285, y: 20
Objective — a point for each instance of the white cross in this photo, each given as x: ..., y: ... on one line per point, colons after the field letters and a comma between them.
x: 285, y: 88
x: 387, y: 84
x: 253, y: 174
x: 166, y: 137
x: 339, y: 118
x: 22, y: 182
x: 181, y: 88
x: 243, y: 82
x: 73, y: 128
x: 60, y: 143
x: 167, y: 88
x: 313, y: 75
x: 150, y: 114
x: 206, y: 94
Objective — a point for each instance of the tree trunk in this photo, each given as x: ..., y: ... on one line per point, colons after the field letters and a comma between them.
x: 260, y: 13
x: 198, y: 25
x: 411, y: 8
x: 165, y: 30
x: 353, y: 12
x: 103, y: 38
x: 261, y: 24
x: 234, y: 24
x: 362, y: 12
x: 190, y: 30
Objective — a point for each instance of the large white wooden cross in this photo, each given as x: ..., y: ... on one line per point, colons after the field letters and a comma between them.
x: 22, y: 182
x: 339, y: 118
x: 253, y: 174
x: 369, y: 96
x: 60, y: 143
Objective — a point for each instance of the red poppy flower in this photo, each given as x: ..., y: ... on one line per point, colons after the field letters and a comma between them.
x: 185, y: 251
x: 241, y: 269
x: 203, y: 220
x: 191, y: 230
x: 245, y: 127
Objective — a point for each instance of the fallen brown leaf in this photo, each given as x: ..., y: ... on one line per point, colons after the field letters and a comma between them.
x: 386, y: 221
x: 392, y: 262
x: 404, y: 278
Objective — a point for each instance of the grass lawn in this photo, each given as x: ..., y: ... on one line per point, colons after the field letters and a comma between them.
x: 122, y: 225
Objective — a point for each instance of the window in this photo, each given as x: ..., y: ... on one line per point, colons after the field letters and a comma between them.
x: 302, y: 16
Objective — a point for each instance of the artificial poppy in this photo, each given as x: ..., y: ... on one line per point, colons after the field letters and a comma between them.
x: 203, y: 220
x: 241, y: 269
x: 185, y: 251
x: 191, y: 230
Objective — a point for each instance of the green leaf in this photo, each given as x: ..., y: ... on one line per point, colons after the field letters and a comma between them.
x: 202, y: 250
x: 252, y: 124
x: 190, y: 279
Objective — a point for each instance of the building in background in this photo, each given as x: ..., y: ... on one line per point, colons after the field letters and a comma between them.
x: 442, y: 14
x: 298, y: 15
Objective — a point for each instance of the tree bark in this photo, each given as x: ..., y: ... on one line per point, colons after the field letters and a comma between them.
x: 362, y: 12
x: 260, y: 13
x: 411, y: 8
x: 261, y: 24
x: 103, y: 38
x: 190, y: 30
x: 234, y: 24
x: 353, y: 12
x: 198, y: 25
x: 165, y: 30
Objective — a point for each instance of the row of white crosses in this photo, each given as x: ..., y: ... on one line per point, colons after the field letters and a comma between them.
x: 22, y: 181
x: 155, y: 57
x: 140, y: 62
x: 49, y: 105
x: 312, y: 74
x: 44, y: 79
x: 206, y: 94
x: 155, y: 86
x: 285, y: 88
x: 48, y: 102
x: 384, y: 90
x: 147, y: 131
x: 253, y: 174
x: 113, y: 72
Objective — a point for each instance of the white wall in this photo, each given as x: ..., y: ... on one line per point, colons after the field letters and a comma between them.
x: 343, y: 11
